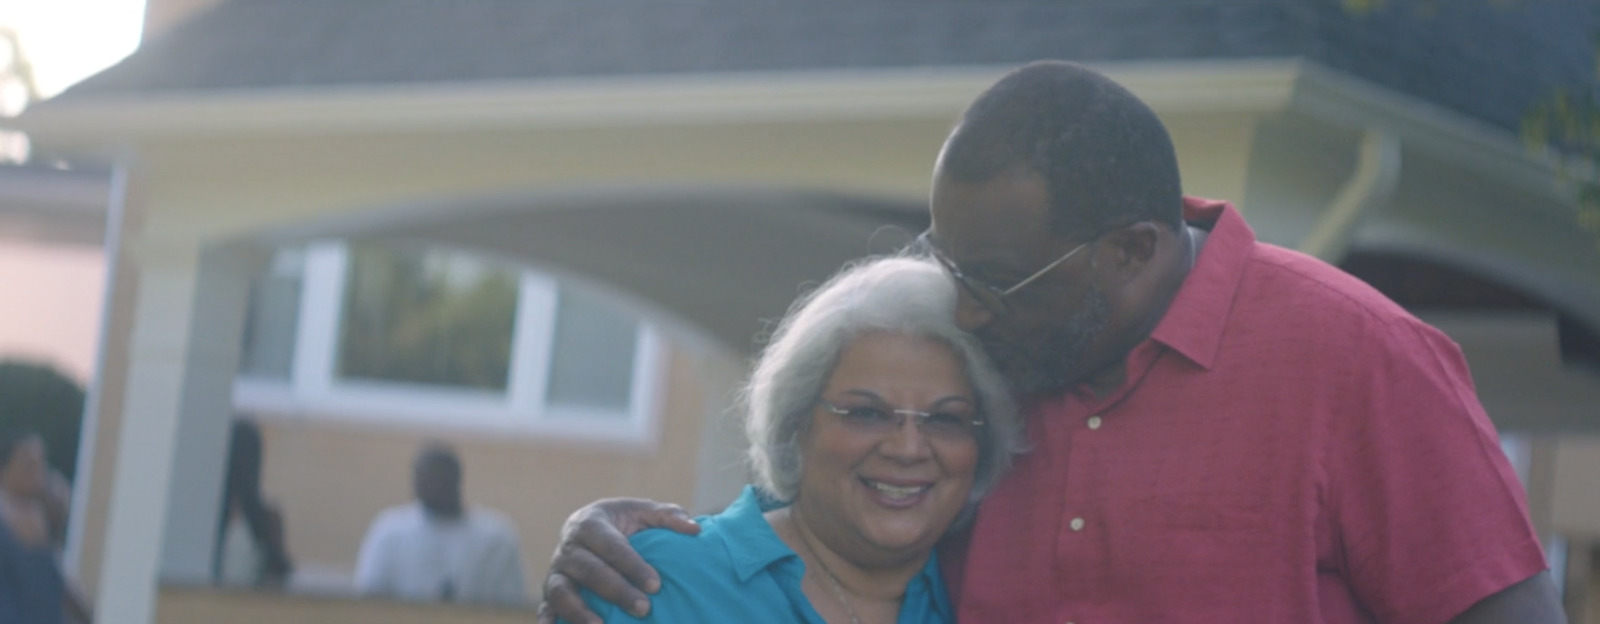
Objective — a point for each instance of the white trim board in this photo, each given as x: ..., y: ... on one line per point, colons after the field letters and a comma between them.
x: 1262, y: 86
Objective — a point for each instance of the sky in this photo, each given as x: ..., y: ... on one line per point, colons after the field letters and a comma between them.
x: 54, y: 292
x: 69, y: 40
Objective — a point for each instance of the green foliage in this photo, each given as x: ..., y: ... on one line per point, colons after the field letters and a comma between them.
x: 1567, y: 124
x: 39, y: 398
x: 1361, y: 7
x: 427, y: 317
x: 1422, y: 7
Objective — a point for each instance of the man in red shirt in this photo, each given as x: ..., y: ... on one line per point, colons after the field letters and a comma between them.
x: 1222, y: 430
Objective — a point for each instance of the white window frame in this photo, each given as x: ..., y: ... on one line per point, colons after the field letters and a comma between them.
x: 315, y: 391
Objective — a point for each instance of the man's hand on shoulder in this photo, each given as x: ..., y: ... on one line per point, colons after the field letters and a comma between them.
x: 594, y: 553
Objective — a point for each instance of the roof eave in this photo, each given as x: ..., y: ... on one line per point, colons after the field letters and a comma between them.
x: 116, y: 123
x: 99, y: 121
x: 1469, y: 143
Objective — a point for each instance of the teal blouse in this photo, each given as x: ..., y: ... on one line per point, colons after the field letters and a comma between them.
x: 739, y: 570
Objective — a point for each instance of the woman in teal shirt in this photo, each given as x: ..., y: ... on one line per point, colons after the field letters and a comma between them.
x: 875, y: 424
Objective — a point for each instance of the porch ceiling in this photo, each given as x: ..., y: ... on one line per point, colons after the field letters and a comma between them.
x: 1517, y: 367
x: 726, y: 262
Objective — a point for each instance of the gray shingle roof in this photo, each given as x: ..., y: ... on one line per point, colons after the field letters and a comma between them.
x: 1469, y: 55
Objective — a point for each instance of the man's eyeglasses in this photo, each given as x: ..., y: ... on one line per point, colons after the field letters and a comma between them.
x: 876, y: 420
x: 991, y: 296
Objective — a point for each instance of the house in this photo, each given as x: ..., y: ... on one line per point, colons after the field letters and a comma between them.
x: 682, y: 169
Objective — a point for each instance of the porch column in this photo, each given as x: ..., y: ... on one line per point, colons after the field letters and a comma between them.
x: 183, y: 350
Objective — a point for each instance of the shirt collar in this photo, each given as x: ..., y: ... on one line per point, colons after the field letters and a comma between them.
x: 753, y: 546
x: 1193, y: 323
x: 932, y: 581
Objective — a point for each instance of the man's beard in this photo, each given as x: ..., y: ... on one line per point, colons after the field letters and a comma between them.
x: 1044, y: 369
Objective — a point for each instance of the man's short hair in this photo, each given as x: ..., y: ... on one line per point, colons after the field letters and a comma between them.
x: 437, y: 453
x: 1105, y: 156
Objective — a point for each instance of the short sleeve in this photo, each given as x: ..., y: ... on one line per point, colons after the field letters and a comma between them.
x: 677, y: 558
x: 1428, y: 512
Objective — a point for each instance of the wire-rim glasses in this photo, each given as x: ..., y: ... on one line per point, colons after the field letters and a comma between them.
x: 879, y: 420
x: 991, y: 296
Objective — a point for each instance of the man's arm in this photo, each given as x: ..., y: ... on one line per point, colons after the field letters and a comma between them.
x: 1534, y: 601
x: 1430, y: 517
x: 594, y: 553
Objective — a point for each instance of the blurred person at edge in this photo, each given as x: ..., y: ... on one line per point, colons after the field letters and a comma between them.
x: 1222, y: 430
x: 874, y: 423
x: 439, y: 549
x: 250, y: 534
x: 32, y: 587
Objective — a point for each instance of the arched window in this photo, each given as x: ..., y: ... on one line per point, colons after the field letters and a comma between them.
x: 397, y: 334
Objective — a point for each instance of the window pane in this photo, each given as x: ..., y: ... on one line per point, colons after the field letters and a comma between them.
x: 591, y: 360
x: 273, y: 317
x: 426, y: 316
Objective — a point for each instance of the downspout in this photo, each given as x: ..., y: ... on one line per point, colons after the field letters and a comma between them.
x: 1370, y: 186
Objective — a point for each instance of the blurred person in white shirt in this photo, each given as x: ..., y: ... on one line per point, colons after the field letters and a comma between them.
x: 438, y: 549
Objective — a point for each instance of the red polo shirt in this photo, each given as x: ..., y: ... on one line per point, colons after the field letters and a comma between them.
x: 1290, y: 446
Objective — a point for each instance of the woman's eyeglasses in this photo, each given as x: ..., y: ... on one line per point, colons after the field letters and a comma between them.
x: 876, y: 420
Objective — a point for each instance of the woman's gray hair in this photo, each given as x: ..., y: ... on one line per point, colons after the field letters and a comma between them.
x: 903, y: 294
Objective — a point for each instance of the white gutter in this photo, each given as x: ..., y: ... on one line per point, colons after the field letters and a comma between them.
x: 1428, y: 128
x: 105, y: 123
x: 1368, y: 188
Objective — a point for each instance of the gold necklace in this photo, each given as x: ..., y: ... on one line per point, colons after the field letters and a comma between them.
x: 833, y: 580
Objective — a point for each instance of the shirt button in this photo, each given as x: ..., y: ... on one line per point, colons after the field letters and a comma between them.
x: 1076, y: 524
x: 1094, y: 422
